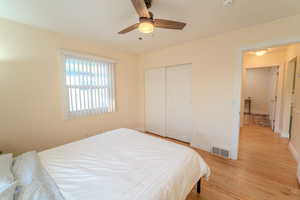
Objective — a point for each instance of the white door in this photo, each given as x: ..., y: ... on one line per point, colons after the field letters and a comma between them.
x: 178, y: 103
x: 293, y: 71
x: 288, y: 97
x: 273, y: 96
x: 155, y: 101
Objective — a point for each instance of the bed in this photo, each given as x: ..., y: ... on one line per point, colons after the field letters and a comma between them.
x: 124, y: 164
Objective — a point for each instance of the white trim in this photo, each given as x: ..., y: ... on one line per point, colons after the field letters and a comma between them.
x: 296, y: 111
x: 257, y: 112
x: 140, y: 129
x: 277, y: 130
x: 294, y: 152
x: 238, y: 84
x: 87, y: 55
x: 296, y: 156
x: 237, y: 104
x: 261, y: 66
x: 62, y: 84
x: 167, y: 66
x: 67, y: 115
x: 284, y: 134
x: 201, y: 146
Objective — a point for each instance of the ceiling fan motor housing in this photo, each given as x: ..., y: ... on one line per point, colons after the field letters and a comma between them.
x: 151, y: 19
x: 148, y: 3
x: 145, y: 19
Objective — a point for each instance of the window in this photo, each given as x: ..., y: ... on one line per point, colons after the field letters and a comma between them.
x: 89, y: 85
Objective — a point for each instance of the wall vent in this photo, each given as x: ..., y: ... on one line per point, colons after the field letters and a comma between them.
x: 220, y: 152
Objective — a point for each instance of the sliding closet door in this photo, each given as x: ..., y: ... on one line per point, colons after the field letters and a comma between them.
x: 178, y: 103
x: 155, y: 101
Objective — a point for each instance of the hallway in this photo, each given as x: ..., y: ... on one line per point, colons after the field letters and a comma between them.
x: 265, y: 170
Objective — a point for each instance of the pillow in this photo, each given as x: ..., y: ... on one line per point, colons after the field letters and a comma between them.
x: 6, y: 176
x: 7, y: 192
x: 35, y: 191
x: 26, y: 167
x: 33, y: 181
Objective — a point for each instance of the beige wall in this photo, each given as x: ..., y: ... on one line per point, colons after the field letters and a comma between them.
x: 217, y: 69
x: 270, y: 59
x: 258, y: 87
x: 30, y: 90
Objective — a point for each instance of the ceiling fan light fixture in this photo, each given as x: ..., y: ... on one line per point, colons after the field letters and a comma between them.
x: 146, y: 27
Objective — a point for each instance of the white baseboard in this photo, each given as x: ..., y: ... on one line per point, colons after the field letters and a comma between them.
x: 294, y: 152
x: 199, y: 146
x: 277, y: 130
x: 284, y: 135
x: 296, y: 156
x: 140, y: 129
x: 257, y: 112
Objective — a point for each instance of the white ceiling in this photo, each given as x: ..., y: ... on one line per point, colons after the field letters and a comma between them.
x: 100, y: 20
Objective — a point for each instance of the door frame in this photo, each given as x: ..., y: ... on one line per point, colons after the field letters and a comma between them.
x: 295, y: 59
x: 238, y: 86
x: 277, y: 98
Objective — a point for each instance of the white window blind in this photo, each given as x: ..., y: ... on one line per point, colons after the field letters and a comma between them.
x: 89, y: 85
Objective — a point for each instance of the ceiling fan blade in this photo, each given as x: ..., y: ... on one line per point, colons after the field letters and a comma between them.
x: 141, y: 8
x: 130, y: 28
x: 163, y: 23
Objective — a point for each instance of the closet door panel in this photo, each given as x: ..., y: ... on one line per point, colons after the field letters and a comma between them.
x: 155, y: 101
x: 178, y: 103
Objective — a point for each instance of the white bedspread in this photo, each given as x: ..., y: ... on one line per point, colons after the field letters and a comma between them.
x: 124, y: 165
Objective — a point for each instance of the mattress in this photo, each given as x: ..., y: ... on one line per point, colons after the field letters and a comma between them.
x: 124, y: 164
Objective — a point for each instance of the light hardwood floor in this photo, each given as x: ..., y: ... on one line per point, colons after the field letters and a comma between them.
x: 265, y: 170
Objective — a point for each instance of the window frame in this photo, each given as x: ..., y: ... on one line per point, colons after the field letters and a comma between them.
x: 67, y: 114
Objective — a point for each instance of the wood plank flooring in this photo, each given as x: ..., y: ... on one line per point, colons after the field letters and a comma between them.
x: 265, y: 170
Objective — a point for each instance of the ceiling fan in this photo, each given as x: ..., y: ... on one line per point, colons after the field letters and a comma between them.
x: 147, y: 22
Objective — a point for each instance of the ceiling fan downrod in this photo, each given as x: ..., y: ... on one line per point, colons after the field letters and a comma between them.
x: 148, y: 3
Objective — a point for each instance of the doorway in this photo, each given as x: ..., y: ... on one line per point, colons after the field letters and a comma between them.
x: 260, y: 96
x: 277, y: 129
x: 286, y: 58
x: 269, y: 101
